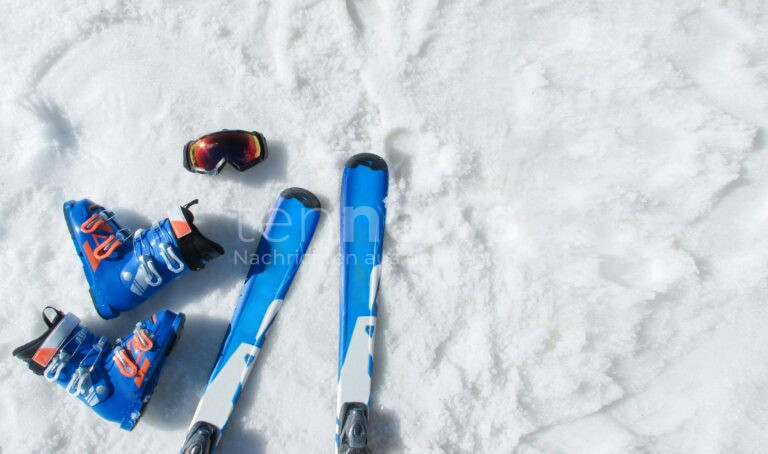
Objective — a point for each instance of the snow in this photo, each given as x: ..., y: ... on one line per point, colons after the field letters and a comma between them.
x: 575, y: 258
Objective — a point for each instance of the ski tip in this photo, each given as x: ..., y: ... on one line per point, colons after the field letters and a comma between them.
x: 370, y: 160
x: 306, y: 198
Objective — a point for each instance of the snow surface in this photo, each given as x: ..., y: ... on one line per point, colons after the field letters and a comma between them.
x: 576, y: 253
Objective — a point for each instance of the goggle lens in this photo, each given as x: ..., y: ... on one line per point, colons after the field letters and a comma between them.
x: 209, y: 153
x: 250, y: 155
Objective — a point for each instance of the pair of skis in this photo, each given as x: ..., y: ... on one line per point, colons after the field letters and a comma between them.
x: 286, y: 238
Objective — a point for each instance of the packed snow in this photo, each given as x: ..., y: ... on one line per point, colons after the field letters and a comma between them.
x: 576, y: 251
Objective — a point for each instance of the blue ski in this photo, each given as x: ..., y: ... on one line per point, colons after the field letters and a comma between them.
x: 363, y: 193
x: 285, y: 239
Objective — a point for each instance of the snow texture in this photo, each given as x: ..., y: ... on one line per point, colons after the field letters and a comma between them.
x: 576, y: 253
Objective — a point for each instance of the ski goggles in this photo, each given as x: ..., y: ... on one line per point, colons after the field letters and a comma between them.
x: 209, y: 153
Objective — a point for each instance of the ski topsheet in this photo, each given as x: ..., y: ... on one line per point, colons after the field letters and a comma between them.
x: 285, y: 239
x: 363, y: 192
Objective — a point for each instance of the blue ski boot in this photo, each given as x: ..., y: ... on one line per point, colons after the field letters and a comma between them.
x: 125, y: 269
x: 116, y: 381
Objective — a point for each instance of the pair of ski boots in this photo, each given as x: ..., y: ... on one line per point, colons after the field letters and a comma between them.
x: 122, y: 270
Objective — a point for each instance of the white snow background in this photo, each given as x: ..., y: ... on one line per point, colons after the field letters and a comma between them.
x: 577, y: 237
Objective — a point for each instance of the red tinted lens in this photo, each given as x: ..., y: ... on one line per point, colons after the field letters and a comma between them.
x: 249, y: 155
x: 240, y: 148
x: 204, y: 155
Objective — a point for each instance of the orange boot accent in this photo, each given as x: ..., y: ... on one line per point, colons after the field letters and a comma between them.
x: 124, y: 363
x: 87, y: 227
x: 141, y: 340
x: 142, y: 373
x: 106, y: 248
